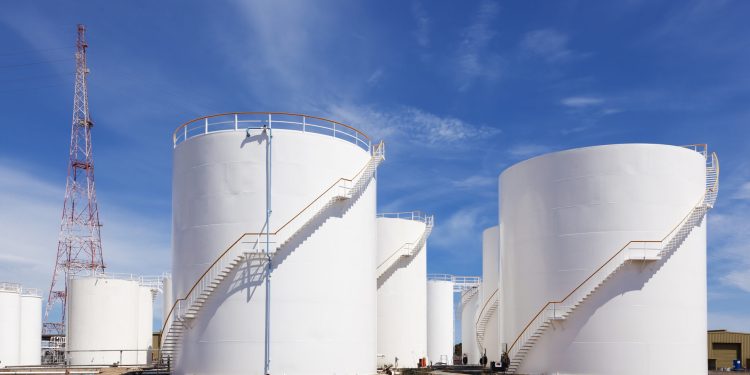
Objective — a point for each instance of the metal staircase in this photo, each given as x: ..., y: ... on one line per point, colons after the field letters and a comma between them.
x: 487, y: 312
x: 409, y: 249
x: 250, y: 249
x: 634, y: 251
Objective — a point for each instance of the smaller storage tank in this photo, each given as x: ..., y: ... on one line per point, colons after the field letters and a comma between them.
x: 440, y: 321
x: 402, y: 292
x: 469, y: 309
x: 105, y: 320
x: 146, y: 297
x: 30, y: 338
x: 10, y: 315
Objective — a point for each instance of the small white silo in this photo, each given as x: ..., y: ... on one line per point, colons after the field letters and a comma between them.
x: 30, y: 338
x: 106, y: 320
x: 402, y: 291
x: 470, y: 303
x: 10, y: 317
x: 320, y: 178
x: 604, y: 253
x: 440, y: 321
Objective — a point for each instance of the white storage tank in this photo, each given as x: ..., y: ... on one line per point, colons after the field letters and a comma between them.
x: 323, y: 284
x: 104, y: 320
x: 402, y: 291
x: 469, y: 309
x: 567, y: 214
x: 440, y: 321
x: 30, y: 339
x: 10, y: 316
x: 487, y: 319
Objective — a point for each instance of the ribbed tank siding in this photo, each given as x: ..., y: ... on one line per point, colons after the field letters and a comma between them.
x: 564, y: 214
x: 323, y: 292
x: 101, y: 320
x: 402, y: 296
x: 30, y: 336
x: 468, y: 329
x: 440, y: 321
x: 489, y: 289
x: 10, y: 316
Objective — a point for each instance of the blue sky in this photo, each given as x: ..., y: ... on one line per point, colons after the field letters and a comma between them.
x: 459, y: 91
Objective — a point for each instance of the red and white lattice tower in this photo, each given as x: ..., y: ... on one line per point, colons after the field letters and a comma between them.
x: 79, y: 248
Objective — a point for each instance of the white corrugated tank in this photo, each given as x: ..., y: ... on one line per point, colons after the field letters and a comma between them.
x: 469, y: 310
x: 10, y: 316
x: 323, y: 283
x: 30, y: 338
x: 440, y: 321
x: 488, y: 317
x: 402, y: 291
x: 568, y: 213
x: 103, y: 320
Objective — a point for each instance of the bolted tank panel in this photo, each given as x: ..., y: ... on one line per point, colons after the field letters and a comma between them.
x: 402, y: 293
x: 10, y: 316
x: 30, y: 339
x: 565, y: 215
x: 323, y: 291
x: 102, y: 321
x: 469, y: 345
x: 440, y: 321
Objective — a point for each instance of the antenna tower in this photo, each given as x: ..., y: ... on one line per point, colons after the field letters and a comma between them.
x: 79, y: 247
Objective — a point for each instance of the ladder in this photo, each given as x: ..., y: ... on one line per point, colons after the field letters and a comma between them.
x: 634, y: 251
x: 249, y: 248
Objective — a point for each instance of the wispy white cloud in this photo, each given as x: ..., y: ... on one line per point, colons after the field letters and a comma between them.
x: 548, y: 44
x: 462, y: 227
x: 526, y: 150
x: 475, y: 182
x: 413, y: 125
x: 375, y: 77
x: 743, y: 192
x: 423, y: 23
x: 475, y: 59
x: 581, y: 101
x: 730, y: 321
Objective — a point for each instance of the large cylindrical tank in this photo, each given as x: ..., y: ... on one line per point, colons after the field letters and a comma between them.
x: 30, y: 339
x: 490, y: 292
x: 103, y: 321
x: 10, y: 316
x: 440, y: 321
x: 564, y: 215
x: 469, y: 310
x: 323, y: 286
x: 402, y: 293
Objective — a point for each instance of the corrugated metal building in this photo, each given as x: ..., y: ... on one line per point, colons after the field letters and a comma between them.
x: 724, y: 347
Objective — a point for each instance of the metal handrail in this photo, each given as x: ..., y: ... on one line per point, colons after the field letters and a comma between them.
x: 481, y: 312
x: 709, y: 195
x: 378, y: 151
x: 233, y: 121
x: 406, y: 215
x: 10, y: 287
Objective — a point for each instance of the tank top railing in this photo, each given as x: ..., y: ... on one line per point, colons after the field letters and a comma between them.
x: 250, y: 247
x: 238, y: 121
x: 633, y: 250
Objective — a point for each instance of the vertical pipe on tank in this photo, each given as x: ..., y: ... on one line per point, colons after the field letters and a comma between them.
x: 166, y: 297
x: 267, y: 359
